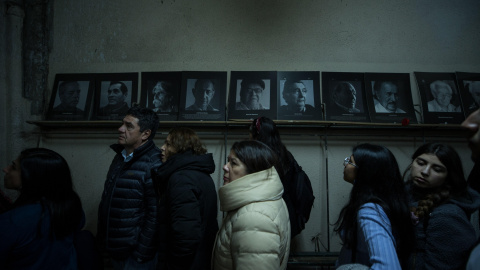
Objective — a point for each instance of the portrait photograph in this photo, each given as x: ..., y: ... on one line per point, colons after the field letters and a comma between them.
x: 389, y: 98
x: 469, y: 87
x: 115, y: 94
x: 203, y: 96
x: 71, y: 97
x: 252, y: 94
x: 343, y: 94
x: 441, y: 102
x: 160, y: 91
x: 298, y: 95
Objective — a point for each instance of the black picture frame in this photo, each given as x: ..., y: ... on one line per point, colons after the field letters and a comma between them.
x: 287, y: 101
x: 166, y: 105
x: 215, y: 111
x: 430, y: 107
x: 379, y: 88
x: 267, y: 101
x: 116, y: 106
x: 80, y: 99
x: 469, y: 88
x: 343, y: 95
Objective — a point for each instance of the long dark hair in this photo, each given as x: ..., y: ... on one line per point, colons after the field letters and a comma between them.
x: 46, y: 179
x: 263, y: 129
x: 378, y: 180
x: 454, y: 185
x: 256, y: 155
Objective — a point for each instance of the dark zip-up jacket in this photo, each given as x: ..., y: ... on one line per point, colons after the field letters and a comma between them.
x: 127, y: 215
x: 188, y: 211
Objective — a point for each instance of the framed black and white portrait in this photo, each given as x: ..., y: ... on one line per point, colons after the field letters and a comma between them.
x: 115, y: 94
x: 71, y: 97
x: 343, y: 94
x: 469, y: 87
x: 298, y: 95
x: 389, y: 98
x: 203, y: 96
x: 441, y: 102
x: 160, y: 92
x: 252, y: 94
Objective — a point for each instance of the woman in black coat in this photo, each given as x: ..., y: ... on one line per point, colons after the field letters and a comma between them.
x: 188, y: 202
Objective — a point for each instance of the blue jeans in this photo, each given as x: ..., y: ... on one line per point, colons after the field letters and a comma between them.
x: 131, y: 264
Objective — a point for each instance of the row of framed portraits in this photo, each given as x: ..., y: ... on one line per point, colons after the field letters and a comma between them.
x: 290, y: 95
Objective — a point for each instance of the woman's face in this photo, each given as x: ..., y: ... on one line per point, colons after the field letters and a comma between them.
x: 13, y: 176
x: 428, y: 171
x: 350, y: 170
x: 168, y: 149
x: 234, y: 169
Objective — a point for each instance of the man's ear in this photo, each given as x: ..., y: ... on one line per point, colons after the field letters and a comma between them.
x: 145, y: 134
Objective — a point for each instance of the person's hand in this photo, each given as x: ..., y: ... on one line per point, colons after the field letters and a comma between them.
x: 472, y: 124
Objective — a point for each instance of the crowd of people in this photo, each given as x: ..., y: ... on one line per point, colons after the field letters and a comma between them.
x: 158, y: 209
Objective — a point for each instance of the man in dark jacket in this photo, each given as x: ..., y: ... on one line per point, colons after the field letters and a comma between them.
x: 127, y: 215
x: 188, y: 203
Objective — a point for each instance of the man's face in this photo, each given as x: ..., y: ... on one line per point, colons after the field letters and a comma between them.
x: 204, y: 94
x: 475, y: 91
x: 443, y: 96
x: 115, y: 95
x: 129, y: 134
x: 159, y: 96
x: 295, y: 95
x: 71, y: 95
x: 472, y: 123
x: 251, y: 96
x: 348, y: 97
x: 388, y: 96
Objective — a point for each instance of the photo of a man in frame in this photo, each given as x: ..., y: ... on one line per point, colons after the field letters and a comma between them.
x: 164, y: 97
x: 386, y: 97
x: 117, y: 97
x: 344, y: 97
x: 203, y: 92
x: 69, y: 95
x: 251, y: 93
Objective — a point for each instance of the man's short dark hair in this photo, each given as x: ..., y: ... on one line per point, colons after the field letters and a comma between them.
x: 123, y: 87
x: 289, y: 83
x: 246, y: 82
x: 200, y: 82
x: 63, y: 86
x: 147, y: 119
x: 377, y: 86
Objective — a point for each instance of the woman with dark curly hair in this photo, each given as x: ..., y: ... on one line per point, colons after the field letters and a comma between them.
x: 188, y: 202
x: 441, y: 203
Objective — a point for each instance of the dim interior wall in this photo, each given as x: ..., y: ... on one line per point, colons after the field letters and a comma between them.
x: 92, y: 36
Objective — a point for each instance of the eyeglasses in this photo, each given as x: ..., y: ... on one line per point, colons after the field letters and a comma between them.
x: 347, y: 161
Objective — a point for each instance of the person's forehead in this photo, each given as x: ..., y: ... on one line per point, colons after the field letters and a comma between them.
x: 389, y: 87
x: 254, y: 85
x: 72, y: 86
x: 297, y: 85
x: 115, y: 86
x: 207, y: 85
x: 130, y: 119
x: 443, y: 89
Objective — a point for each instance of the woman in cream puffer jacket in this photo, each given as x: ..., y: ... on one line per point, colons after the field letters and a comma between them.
x: 255, y: 233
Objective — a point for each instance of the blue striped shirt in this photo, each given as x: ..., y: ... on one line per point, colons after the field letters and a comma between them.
x: 375, y: 241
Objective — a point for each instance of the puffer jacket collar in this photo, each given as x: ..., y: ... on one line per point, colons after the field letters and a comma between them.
x: 118, y: 148
x: 186, y: 161
x: 256, y: 187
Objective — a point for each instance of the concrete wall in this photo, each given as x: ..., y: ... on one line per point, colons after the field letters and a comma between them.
x: 186, y: 35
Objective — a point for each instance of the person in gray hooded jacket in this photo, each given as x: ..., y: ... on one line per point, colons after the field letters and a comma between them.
x: 441, y: 205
